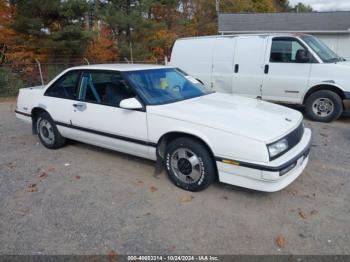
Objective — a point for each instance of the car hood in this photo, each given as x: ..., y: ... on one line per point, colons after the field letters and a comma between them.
x: 243, y: 116
x: 343, y: 63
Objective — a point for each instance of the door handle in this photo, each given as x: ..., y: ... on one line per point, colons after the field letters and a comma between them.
x: 266, y: 69
x: 80, y: 106
x: 236, y: 68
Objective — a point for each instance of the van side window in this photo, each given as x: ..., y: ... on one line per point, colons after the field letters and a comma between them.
x: 65, y: 86
x: 284, y: 50
x: 108, y: 88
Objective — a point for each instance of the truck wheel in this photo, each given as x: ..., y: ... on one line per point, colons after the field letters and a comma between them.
x: 324, y: 106
x: 189, y: 164
x: 48, y: 133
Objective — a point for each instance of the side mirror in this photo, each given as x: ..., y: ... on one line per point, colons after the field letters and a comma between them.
x: 303, y: 56
x: 130, y: 103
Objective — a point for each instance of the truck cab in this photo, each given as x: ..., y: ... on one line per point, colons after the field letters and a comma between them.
x: 282, y: 68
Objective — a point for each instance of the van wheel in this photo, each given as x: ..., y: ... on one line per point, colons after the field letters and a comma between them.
x: 324, y: 106
x: 189, y: 164
x: 48, y: 133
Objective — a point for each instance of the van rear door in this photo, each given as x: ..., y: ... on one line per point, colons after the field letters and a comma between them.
x: 195, y: 57
x: 248, y: 68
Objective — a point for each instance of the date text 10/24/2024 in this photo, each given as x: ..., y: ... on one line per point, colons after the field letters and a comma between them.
x: 173, y: 258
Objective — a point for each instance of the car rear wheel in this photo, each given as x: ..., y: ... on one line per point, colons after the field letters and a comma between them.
x: 48, y: 133
x: 189, y: 164
x: 324, y: 106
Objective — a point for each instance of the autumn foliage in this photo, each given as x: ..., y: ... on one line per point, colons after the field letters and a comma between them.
x: 110, y: 30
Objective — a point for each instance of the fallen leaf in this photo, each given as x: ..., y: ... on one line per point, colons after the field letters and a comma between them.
x: 301, y: 214
x: 23, y: 211
x: 153, y: 189
x: 186, y: 199
x: 113, y: 256
x: 139, y: 183
x: 280, y: 241
x: 293, y: 192
x: 77, y: 177
x: 11, y: 165
x: 32, y: 188
x: 51, y: 169
x: 42, y: 175
x: 314, y: 212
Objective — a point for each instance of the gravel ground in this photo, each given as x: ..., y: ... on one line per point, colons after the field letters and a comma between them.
x: 86, y: 200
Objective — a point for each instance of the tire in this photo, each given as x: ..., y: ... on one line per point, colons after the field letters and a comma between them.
x: 48, y: 133
x: 192, y: 177
x: 324, y: 106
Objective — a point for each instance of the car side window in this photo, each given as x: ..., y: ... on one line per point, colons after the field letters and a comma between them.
x: 108, y: 88
x: 285, y: 50
x: 65, y: 86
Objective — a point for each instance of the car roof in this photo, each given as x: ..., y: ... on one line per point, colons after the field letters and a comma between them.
x: 120, y: 67
x: 236, y: 35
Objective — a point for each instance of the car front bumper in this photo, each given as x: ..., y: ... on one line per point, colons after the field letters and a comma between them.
x: 347, y: 95
x: 271, y: 177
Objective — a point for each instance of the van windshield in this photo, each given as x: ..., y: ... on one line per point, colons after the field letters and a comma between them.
x: 322, y: 50
x: 163, y: 86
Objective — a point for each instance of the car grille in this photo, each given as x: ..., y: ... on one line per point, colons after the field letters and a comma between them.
x: 295, y: 136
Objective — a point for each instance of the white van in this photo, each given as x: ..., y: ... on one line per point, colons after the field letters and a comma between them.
x: 283, y: 68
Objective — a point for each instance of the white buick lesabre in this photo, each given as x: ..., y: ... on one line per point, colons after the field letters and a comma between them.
x: 163, y: 114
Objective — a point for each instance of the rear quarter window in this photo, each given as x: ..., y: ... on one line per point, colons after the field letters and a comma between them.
x: 65, y: 86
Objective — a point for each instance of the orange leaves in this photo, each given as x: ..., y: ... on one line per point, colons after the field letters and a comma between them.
x: 162, y: 41
x: 103, y: 48
x: 280, y: 241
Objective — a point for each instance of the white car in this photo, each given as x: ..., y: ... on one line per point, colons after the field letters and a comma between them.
x: 160, y: 113
x: 283, y: 68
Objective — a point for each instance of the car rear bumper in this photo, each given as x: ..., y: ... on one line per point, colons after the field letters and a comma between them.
x: 272, y: 177
x: 23, y: 116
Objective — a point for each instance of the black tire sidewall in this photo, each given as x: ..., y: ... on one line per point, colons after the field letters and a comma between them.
x: 205, y: 160
x: 337, y: 102
x: 58, y: 139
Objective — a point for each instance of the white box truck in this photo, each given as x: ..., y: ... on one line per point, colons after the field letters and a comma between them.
x: 282, y: 68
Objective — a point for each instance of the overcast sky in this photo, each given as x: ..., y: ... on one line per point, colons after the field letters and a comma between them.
x: 326, y: 5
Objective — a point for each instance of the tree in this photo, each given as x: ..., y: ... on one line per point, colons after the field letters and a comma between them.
x: 302, y: 8
x: 102, y: 49
x: 282, y: 5
x: 52, y: 29
x: 6, y: 34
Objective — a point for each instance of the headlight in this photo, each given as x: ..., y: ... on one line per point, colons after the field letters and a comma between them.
x: 278, y: 147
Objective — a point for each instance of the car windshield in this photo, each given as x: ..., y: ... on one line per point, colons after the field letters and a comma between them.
x: 322, y: 50
x: 163, y: 86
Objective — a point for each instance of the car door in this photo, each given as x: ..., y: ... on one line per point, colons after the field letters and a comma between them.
x: 248, y: 65
x: 59, y: 99
x: 286, y: 72
x: 100, y: 121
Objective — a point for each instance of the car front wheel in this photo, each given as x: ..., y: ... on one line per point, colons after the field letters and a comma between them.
x: 48, y: 133
x: 189, y: 164
x: 324, y: 106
